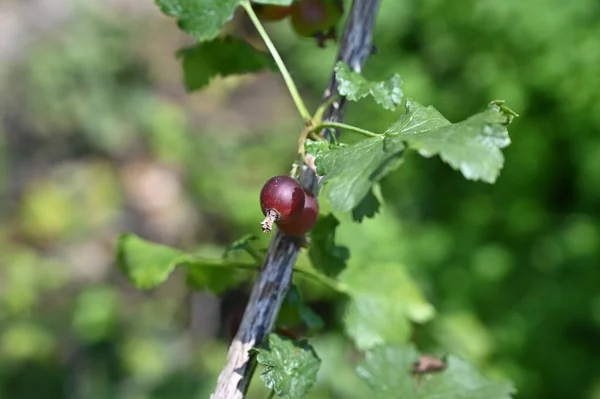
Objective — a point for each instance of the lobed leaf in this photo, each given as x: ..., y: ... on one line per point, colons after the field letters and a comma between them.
x: 384, y: 299
x: 200, y: 18
x: 290, y: 367
x: 146, y: 264
x: 315, y: 148
x: 388, y: 371
x: 368, y: 207
x: 220, y: 57
x: 354, y: 86
x: 325, y: 255
x: 472, y: 146
x: 349, y: 172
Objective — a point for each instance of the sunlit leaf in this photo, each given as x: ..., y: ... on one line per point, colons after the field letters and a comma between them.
x: 354, y: 86
x: 350, y: 172
x: 200, y: 18
x: 388, y: 370
x: 384, y: 300
x: 472, y: 146
x: 290, y: 367
x: 146, y: 264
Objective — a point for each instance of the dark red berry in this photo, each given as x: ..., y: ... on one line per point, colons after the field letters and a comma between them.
x: 305, y: 222
x: 271, y: 13
x: 281, y: 200
x: 312, y: 18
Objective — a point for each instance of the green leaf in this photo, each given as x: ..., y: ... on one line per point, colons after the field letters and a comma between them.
x: 350, y: 172
x: 290, y: 367
x: 354, y: 86
x: 472, y: 146
x: 146, y: 264
x: 294, y: 311
x: 200, y: 18
x: 220, y: 57
x: 368, y: 207
x: 217, y: 275
x: 325, y: 255
x: 388, y: 371
x: 315, y: 148
x: 384, y: 299
x: 311, y: 319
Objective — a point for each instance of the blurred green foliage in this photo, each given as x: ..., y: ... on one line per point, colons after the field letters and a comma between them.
x: 98, y: 137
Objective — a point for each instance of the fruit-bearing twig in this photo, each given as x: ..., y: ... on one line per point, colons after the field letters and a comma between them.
x: 275, y: 275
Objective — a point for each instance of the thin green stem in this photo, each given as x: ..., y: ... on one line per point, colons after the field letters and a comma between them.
x: 350, y: 128
x: 272, y: 394
x: 321, y: 110
x: 254, y: 253
x: 291, y: 85
x: 315, y: 137
x: 305, y: 132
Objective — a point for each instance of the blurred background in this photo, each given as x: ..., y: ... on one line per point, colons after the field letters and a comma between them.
x: 98, y: 137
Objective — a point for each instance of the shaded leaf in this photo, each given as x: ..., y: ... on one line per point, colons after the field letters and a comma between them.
x: 388, y: 371
x: 368, y: 207
x: 217, y: 275
x: 384, y: 299
x: 472, y: 146
x: 325, y: 255
x: 220, y: 57
x: 294, y: 311
x: 311, y: 319
x: 354, y: 86
x: 200, y: 18
x: 350, y: 172
x: 290, y: 367
x: 146, y: 264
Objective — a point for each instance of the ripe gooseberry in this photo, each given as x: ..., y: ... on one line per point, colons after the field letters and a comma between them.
x: 281, y: 200
x: 305, y: 222
x: 270, y: 13
x: 314, y: 18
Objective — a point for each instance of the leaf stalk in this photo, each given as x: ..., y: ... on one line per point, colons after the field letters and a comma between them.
x: 350, y: 128
x: 291, y: 85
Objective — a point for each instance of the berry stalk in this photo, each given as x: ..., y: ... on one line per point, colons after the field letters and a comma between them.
x: 269, y: 220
